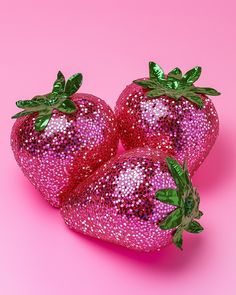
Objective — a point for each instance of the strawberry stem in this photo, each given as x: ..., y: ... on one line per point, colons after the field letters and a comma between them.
x: 174, y: 84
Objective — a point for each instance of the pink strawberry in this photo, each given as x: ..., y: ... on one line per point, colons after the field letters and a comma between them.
x: 60, y: 138
x: 137, y: 201
x: 169, y: 113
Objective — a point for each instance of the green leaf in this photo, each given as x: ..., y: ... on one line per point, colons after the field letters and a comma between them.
x: 59, y: 84
x: 40, y: 99
x: 156, y: 72
x: 67, y: 106
x: 172, y: 220
x: 207, y: 91
x: 194, y: 227
x: 25, y: 104
x: 186, y: 173
x: 175, y: 73
x: 22, y: 114
x: 146, y: 83
x: 173, y: 95
x: 194, y: 98
x: 42, y: 121
x: 192, y: 76
x: 169, y: 196
x: 176, y: 172
x: 73, y: 84
x: 172, y: 83
x: 178, y: 239
x: 199, y: 215
x: 155, y: 93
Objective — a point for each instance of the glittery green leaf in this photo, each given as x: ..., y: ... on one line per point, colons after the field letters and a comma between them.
x: 194, y: 227
x: 156, y: 72
x: 178, y: 239
x: 67, y: 106
x: 73, y: 84
x: 186, y: 173
x: 172, y: 220
x: 146, y: 83
x: 59, y: 84
x: 169, y: 196
x: 194, y: 98
x: 172, y: 83
x: 199, y: 215
x: 175, y: 73
x: 192, y: 75
x: 22, y: 114
x: 23, y: 104
x: 42, y: 121
x: 155, y: 93
x: 177, y: 172
x: 207, y: 91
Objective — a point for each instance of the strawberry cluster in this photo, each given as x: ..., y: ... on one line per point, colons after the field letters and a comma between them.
x: 66, y: 143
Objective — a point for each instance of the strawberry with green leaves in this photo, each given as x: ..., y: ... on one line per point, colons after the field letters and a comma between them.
x: 61, y: 137
x: 170, y: 113
x: 186, y: 198
x: 141, y: 200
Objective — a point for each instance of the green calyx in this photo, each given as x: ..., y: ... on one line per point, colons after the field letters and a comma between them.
x: 175, y: 85
x: 58, y: 99
x: 185, y: 198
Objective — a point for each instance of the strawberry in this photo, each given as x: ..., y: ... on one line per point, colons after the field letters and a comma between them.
x: 169, y: 113
x: 61, y: 137
x: 141, y: 199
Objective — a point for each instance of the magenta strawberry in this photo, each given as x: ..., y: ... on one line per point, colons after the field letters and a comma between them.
x: 60, y: 138
x: 169, y: 113
x: 140, y: 199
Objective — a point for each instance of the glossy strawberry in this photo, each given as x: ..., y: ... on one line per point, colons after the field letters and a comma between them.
x: 169, y: 113
x: 140, y: 199
x: 60, y: 138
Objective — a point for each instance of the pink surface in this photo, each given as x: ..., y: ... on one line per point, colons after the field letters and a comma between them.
x: 110, y: 42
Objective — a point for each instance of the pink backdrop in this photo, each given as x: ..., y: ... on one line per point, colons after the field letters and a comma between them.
x: 110, y: 42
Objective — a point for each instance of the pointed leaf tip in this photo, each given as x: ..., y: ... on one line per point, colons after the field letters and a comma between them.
x: 206, y: 91
x: 194, y: 227
x: 22, y: 114
x: 200, y: 214
x: 73, y: 84
x: 156, y: 72
x: 23, y: 104
x: 176, y: 172
x: 175, y: 73
x: 59, y: 84
x: 192, y: 75
x: 178, y: 239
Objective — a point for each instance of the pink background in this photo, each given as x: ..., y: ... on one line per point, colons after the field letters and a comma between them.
x: 111, y: 42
